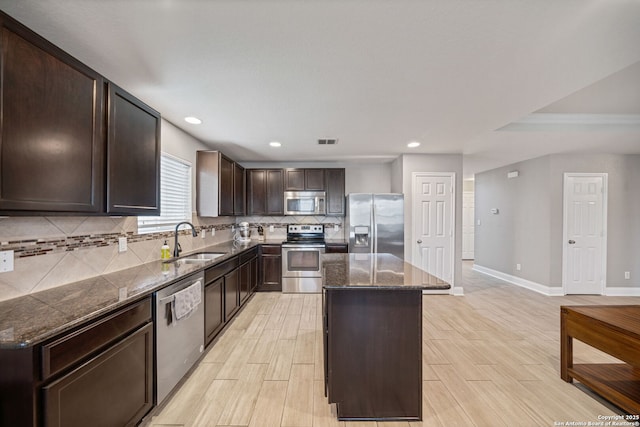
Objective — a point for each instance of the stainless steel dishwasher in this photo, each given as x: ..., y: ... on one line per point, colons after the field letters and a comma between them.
x: 179, y: 343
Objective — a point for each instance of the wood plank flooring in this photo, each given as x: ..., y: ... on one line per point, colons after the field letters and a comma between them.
x: 490, y: 358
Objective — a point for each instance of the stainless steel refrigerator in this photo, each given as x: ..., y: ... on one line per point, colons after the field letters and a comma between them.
x: 376, y: 223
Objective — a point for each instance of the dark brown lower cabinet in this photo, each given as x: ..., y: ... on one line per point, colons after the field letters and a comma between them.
x: 213, y: 309
x: 112, y: 389
x: 373, y: 353
x: 271, y: 268
x: 231, y: 293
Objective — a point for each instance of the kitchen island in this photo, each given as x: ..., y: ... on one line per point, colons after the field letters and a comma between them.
x: 372, y: 318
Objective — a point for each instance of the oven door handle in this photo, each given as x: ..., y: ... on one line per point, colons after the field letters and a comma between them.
x: 303, y: 247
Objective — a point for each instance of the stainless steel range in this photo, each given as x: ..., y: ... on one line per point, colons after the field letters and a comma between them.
x: 302, y: 258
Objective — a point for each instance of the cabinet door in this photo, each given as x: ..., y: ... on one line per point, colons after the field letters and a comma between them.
x: 256, y: 192
x: 275, y: 192
x: 52, y: 150
x: 231, y: 293
x: 238, y: 190
x: 294, y: 180
x: 314, y: 179
x: 270, y: 268
x: 225, y: 201
x: 245, y: 281
x: 133, y: 155
x: 335, y: 192
x: 113, y: 389
x: 254, y: 274
x: 213, y: 309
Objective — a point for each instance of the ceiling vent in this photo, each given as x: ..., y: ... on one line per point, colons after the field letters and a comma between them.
x: 327, y: 141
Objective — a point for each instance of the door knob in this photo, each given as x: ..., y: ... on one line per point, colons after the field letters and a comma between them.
x: 572, y: 242
x: 419, y: 241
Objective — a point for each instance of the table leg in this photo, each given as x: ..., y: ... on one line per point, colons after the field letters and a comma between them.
x: 566, y: 350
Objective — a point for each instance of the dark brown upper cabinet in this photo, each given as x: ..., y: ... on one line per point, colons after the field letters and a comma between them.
x: 133, y: 155
x: 239, y: 190
x: 335, y: 201
x: 51, y: 135
x: 304, y: 180
x: 265, y: 192
x: 59, y: 139
x: 220, y: 185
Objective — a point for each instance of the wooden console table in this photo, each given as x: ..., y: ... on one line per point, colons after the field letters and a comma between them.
x: 615, y: 330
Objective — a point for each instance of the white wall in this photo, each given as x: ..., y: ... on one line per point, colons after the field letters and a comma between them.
x: 528, y: 229
x: 410, y: 163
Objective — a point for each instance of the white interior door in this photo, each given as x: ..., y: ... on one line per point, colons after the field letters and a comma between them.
x: 433, y: 223
x: 584, y: 254
x: 468, y: 229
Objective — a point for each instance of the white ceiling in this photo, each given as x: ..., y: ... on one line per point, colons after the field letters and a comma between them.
x: 375, y: 74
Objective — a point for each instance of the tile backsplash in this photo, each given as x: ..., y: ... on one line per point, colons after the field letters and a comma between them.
x: 54, y: 251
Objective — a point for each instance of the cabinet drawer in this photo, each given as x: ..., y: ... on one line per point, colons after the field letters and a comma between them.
x: 246, y: 256
x: 115, y: 388
x: 212, y: 273
x: 73, y: 347
x: 271, y: 249
x: 336, y: 248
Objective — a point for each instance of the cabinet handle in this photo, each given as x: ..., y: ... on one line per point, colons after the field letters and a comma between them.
x: 419, y: 241
x: 135, y: 207
x: 572, y: 242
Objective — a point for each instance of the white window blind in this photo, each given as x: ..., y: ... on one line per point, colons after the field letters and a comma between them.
x: 175, y: 196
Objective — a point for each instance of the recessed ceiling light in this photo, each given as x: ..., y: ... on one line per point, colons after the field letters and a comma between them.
x: 413, y: 144
x: 275, y: 144
x: 193, y: 120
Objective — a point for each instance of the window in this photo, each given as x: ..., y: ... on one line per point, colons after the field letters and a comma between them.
x: 175, y: 196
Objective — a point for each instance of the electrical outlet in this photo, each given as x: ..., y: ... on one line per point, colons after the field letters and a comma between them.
x: 122, y: 244
x: 213, y: 232
x: 478, y: 222
x: 122, y: 294
x: 518, y: 267
x: 627, y: 275
x: 203, y: 233
x: 271, y: 229
x: 6, y: 261
x: 336, y: 227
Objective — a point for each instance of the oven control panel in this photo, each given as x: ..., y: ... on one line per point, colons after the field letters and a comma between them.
x: 305, y: 228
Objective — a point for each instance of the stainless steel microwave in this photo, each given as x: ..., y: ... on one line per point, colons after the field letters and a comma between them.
x: 304, y: 203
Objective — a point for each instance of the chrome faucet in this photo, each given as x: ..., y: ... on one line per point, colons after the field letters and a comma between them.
x: 176, y: 246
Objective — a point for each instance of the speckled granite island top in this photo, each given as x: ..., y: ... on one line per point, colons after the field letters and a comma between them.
x: 383, y: 271
x: 33, y: 318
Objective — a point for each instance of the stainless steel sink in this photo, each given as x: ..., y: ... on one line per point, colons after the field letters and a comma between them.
x: 200, y: 257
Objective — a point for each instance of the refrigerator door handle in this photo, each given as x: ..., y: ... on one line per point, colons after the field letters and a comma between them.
x: 374, y: 224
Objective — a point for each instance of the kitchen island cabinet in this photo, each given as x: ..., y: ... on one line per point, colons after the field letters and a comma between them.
x: 372, y: 319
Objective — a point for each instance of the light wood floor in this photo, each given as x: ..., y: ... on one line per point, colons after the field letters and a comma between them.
x: 490, y: 358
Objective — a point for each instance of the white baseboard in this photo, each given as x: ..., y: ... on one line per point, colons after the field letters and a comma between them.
x: 519, y: 281
x: 622, y: 292
x: 553, y: 290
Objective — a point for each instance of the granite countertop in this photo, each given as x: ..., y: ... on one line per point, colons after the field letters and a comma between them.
x: 31, y: 319
x: 381, y: 271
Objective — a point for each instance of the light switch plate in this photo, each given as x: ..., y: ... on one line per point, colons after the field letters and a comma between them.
x: 6, y: 261
x: 203, y: 234
x: 271, y: 229
x: 213, y: 232
x: 122, y: 244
